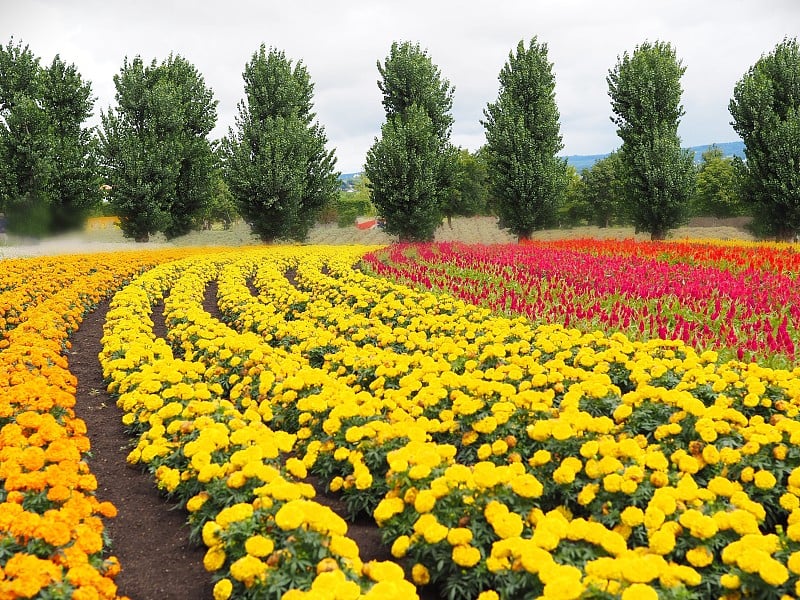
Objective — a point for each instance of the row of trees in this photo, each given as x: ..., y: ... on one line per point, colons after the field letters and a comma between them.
x: 49, y: 176
x: 164, y: 174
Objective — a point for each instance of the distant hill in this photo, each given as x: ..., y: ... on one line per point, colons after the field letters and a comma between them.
x: 585, y: 161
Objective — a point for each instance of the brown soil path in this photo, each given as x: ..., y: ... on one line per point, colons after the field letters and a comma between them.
x: 150, y: 540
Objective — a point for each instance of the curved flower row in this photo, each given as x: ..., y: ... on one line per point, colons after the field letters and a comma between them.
x: 208, y: 448
x: 500, y: 459
x: 744, y: 305
x: 51, y: 531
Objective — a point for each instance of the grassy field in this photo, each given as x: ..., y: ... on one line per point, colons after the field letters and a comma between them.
x: 476, y: 230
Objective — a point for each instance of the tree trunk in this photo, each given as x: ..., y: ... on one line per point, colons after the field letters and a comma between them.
x: 142, y: 238
x: 658, y: 235
x: 785, y: 234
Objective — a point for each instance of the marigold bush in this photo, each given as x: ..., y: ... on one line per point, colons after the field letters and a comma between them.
x: 51, y: 531
x: 500, y: 458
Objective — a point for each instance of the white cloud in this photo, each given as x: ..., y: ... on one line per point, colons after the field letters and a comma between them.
x: 340, y: 43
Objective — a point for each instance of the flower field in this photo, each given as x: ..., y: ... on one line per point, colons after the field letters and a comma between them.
x: 51, y: 543
x: 737, y: 298
x: 501, y: 453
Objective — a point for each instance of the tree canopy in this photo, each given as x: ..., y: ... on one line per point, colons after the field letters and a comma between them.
x: 155, y: 149
x: 48, y: 173
x: 527, y: 178
x: 276, y: 162
x: 645, y: 93
x: 766, y: 114
x: 412, y: 166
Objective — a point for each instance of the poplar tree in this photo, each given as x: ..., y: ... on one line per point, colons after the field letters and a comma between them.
x: 766, y: 114
x: 155, y: 149
x: 48, y: 174
x: 645, y: 93
x: 276, y: 163
x: 411, y: 167
x: 527, y: 178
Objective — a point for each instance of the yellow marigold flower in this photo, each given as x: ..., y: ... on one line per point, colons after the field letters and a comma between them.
x: 711, y: 454
x: 420, y: 574
x: 343, y: 546
x: 424, y: 501
x: 659, y: 479
x: 612, y: 482
x: 688, y: 464
x: 773, y: 572
x: 562, y: 582
x: 639, y: 591
x: 764, y: 480
x: 210, y: 533
x: 290, y: 516
x: 196, y: 502
x: 588, y: 493
x: 296, y: 467
x: 459, y: 536
x: 214, y: 558
x: 721, y: 486
x: 223, y: 589
x: 589, y: 449
x: 328, y: 565
x: 789, y: 502
x: 662, y: 541
x: 499, y: 447
x: 527, y: 486
x: 794, y: 562
x: 632, y: 516
x: 563, y: 475
x: 622, y: 412
x: 259, y: 545
x: 247, y: 569
x: 400, y: 546
x: 542, y: 457
x: 729, y: 581
x: 466, y: 556
x: 488, y: 595
x: 699, y: 557
x: 383, y: 570
x: 435, y: 533
x: 484, y: 451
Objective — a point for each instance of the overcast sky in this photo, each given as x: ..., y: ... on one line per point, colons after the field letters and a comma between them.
x: 340, y: 43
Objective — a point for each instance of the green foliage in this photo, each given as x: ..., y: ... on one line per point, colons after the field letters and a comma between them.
x: 470, y: 194
x: 48, y: 177
x: 645, y: 96
x: 276, y: 163
x: 717, y: 191
x: 354, y: 204
x: 574, y: 211
x: 155, y: 150
x: 221, y: 207
x: 766, y: 114
x: 412, y: 166
x: 603, y: 192
x: 527, y: 178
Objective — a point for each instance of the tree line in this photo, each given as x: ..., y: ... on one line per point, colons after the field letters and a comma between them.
x: 151, y: 162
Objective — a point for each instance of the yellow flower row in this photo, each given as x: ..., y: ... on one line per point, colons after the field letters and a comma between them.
x: 247, y: 495
x: 445, y: 419
x: 50, y: 519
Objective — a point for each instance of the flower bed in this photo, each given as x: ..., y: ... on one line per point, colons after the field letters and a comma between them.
x: 51, y: 533
x: 739, y: 299
x: 500, y: 459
